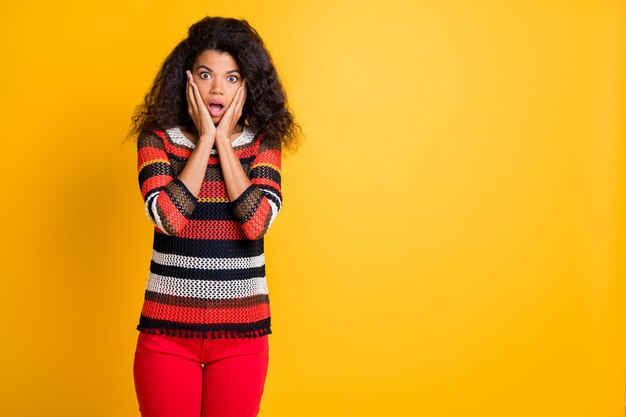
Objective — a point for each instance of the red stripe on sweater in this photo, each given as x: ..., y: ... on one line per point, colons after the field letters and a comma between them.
x: 175, y: 217
x: 161, y: 134
x: 213, y: 189
x: 256, y: 224
x: 160, y: 311
x: 154, y: 182
x: 271, y: 155
x: 213, y: 229
x: 265, y: 181
x: 149, y: 153
x: 182, y: 153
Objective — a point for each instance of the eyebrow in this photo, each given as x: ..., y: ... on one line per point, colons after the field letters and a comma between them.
x: 209, y: 69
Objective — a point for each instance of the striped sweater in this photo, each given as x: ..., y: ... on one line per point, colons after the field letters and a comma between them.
x: 207, y: 272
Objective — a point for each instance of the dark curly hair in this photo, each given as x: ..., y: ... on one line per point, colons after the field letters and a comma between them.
x: 265, y: 108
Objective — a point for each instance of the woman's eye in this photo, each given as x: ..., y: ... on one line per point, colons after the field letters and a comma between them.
x: 232, y: 78
x: 205, y: 75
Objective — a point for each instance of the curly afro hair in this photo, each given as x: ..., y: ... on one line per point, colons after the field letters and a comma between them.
x: 265, y: 108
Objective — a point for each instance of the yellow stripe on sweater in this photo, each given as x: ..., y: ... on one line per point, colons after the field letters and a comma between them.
x: 152, y: 161
x: 267, y: 164
x: 214, y: 200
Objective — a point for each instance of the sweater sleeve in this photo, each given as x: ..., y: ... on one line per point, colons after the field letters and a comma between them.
x: 168, y: 202
x: 258, y: 205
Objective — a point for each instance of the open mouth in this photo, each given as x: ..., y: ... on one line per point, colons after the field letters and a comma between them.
x: 216, y: 109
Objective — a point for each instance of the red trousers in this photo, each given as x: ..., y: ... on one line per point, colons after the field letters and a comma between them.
x: 199, y: 377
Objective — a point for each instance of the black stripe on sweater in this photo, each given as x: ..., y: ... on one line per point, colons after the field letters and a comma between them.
x: 206, y: 274
x: 207, y: 248
x: 146, y: 322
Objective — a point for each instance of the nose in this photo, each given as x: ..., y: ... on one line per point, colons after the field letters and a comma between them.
x: 216, y: 86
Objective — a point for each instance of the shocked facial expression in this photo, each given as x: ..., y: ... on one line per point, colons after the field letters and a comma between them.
x: 218, y: 77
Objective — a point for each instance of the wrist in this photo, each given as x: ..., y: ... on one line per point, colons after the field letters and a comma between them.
x: 222, y: 139
x: 205, y: 140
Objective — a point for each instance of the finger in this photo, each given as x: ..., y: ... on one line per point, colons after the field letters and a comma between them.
x: 198, y: 99
x: 238, y: 97
x: 187, y: 91
x: 231, y: 107
x: 242, y: 99
x: 237, y: 104
x: 227, y: 122
x: 190, y: 98
x: 194, y: 98
x: 202, y: 110
x: 237, y: 108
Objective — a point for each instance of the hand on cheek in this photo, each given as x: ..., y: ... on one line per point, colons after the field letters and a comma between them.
x: 232, y: 114
x: 198, y: 110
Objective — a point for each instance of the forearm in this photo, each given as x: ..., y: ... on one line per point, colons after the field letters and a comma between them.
x: 195, y: 167
x: 234, y: 176
x: 255, y: 197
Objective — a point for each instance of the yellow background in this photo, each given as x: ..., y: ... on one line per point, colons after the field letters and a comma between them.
x: 452, y: 237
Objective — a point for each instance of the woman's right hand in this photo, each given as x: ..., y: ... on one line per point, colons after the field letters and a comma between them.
x: 198, y: 111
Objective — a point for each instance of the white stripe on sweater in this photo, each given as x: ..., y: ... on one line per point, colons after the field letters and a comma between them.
x: 197, y: 262
x: 275, y: 208
x: 206, y: 288
x: 151, y: 206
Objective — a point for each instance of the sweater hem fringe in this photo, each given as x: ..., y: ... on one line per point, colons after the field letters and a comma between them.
x: 213, y: 334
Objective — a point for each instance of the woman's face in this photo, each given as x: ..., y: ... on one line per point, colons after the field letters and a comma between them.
x: 217, y: 76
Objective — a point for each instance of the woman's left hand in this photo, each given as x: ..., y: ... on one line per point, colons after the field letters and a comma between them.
x: 232, y: 114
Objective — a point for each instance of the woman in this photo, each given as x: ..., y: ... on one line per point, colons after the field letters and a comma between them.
x: 210, y: 139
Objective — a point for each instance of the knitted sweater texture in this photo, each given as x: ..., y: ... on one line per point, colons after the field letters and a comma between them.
x: 207, y: 272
